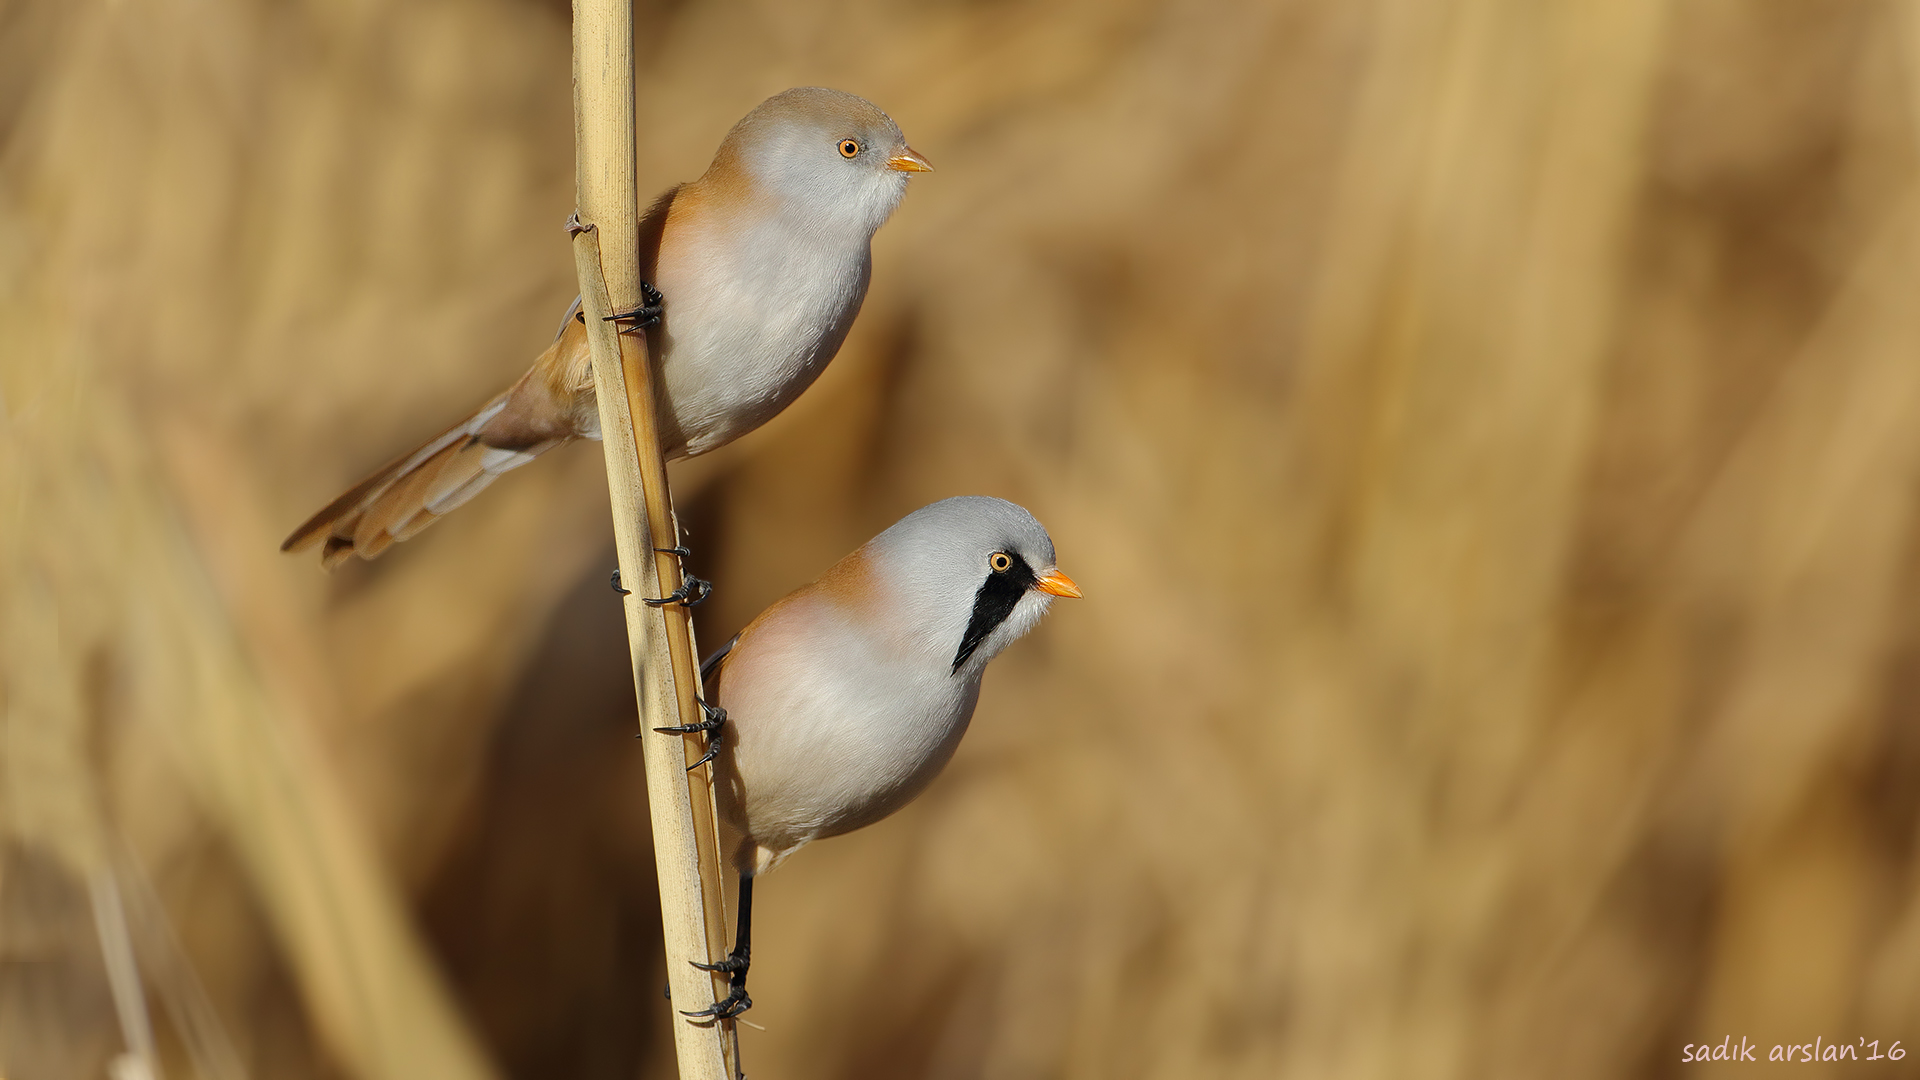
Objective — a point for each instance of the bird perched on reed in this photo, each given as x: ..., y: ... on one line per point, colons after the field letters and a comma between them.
x: 840, y: 703
x: 762, y: 263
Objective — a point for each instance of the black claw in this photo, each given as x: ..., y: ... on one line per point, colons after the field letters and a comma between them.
x: 730, y: 965
x: 713, y: 750
x: 692, y: 592
x: 735, y: 965
x: 647, y: 314
x: 735, y: 1003
x: 714, y: 718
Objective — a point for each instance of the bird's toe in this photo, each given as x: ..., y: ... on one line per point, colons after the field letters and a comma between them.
x: 735, y: 1003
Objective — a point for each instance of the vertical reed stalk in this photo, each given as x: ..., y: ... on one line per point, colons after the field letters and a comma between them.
x: 666, y: 680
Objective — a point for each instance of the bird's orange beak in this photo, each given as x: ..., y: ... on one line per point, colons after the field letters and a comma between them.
x: 909, y: 160
x: 1057, y: 584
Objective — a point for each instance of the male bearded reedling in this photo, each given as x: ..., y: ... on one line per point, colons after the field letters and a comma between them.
x: 840, y: 703
x: 762, y: 263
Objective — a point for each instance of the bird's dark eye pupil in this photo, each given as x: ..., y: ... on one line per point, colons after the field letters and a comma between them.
x: 849, y: 148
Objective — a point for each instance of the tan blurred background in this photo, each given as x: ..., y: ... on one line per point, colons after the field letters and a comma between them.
x: 1487, y: 432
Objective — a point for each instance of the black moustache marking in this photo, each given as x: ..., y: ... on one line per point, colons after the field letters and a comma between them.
x: 993, y: 603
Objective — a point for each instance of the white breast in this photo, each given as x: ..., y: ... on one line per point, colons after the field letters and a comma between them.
x: 753, y: 315
x: 829, y: 730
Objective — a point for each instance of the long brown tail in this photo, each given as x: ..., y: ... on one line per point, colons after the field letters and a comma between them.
x: 551, y: 405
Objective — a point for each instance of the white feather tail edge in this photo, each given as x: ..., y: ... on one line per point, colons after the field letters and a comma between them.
x: 412, y: 492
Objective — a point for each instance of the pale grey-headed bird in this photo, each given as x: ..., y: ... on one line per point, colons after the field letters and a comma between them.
x: 840, y: 703
x: 762, y: 263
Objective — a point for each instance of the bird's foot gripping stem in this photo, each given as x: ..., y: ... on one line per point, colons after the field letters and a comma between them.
x: 735, y: 1003
x: 652, y: 305
x: 692, y: 591
x: 713, y: 720
x: 736, y: 1000
x: 735, y: 965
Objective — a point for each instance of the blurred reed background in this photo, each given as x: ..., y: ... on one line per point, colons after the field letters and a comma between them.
x: 1487, y: 432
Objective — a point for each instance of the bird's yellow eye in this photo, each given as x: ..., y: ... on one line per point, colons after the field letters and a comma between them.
x: 848, y: 148
x: 999, y: 561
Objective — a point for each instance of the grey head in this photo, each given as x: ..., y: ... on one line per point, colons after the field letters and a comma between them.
x: 970, y: 575
x: 833, y: 160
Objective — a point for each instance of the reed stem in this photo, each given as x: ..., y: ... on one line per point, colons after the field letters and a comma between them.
x: 666, y: 678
